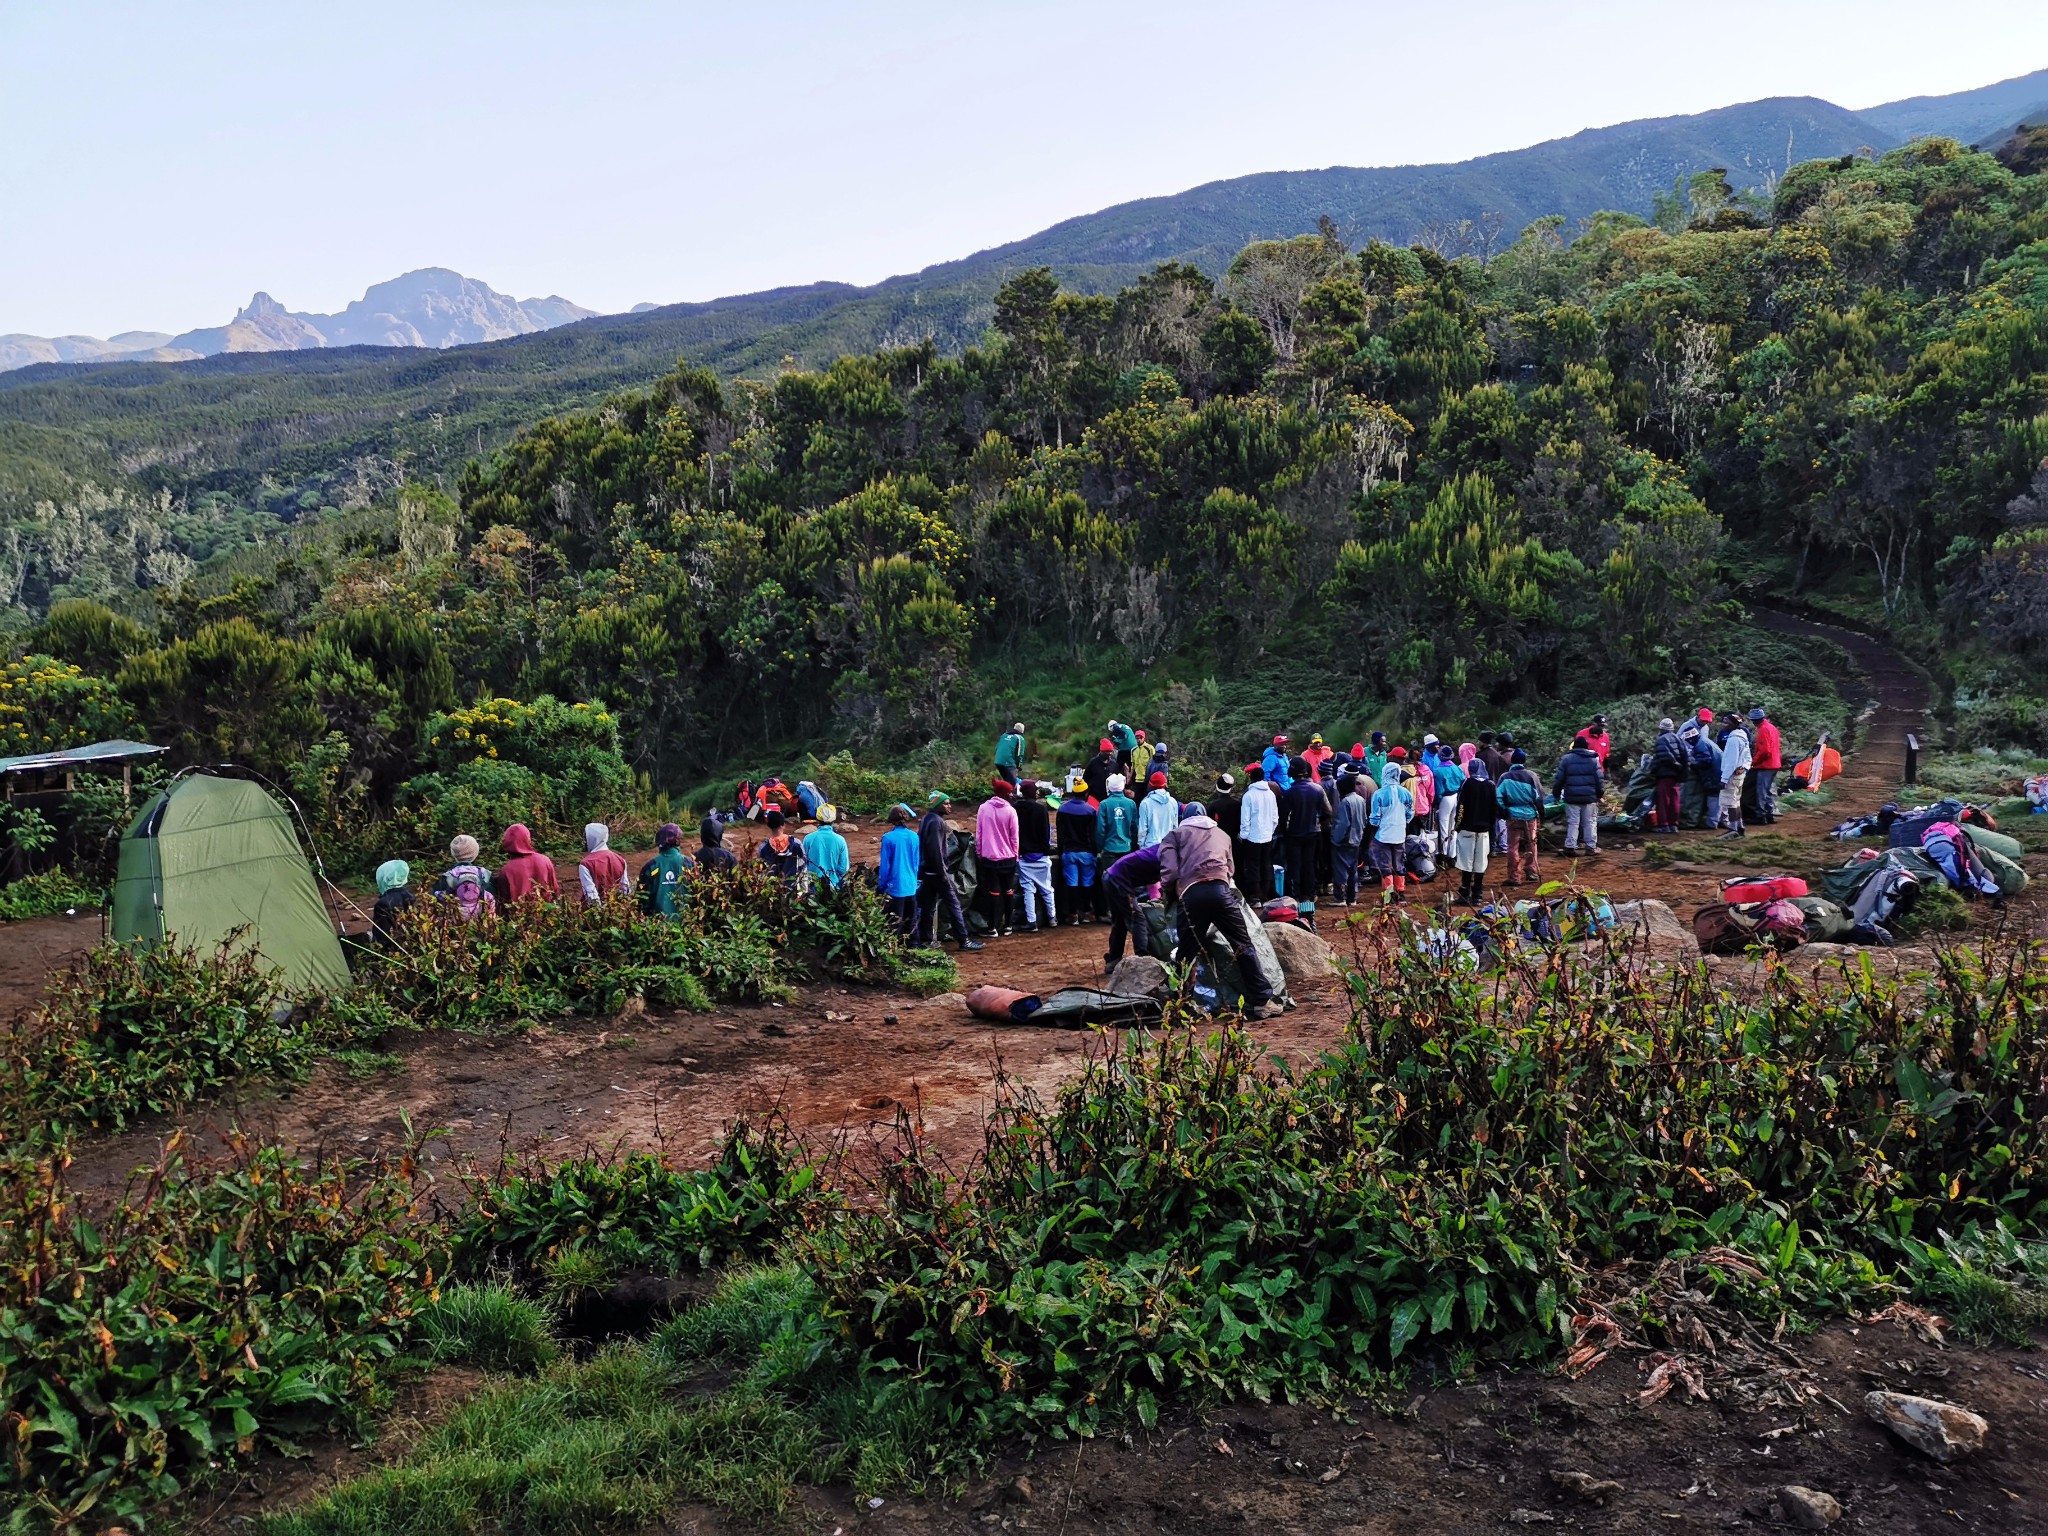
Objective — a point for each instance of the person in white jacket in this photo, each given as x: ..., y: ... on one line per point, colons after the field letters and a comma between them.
x: 1258, y: 824
x: 1735, y: 760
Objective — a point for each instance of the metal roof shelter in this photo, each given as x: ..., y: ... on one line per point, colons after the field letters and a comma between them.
x: 72, y: 758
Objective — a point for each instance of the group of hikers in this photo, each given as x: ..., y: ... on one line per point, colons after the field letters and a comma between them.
x: 1304, y: 822
x: 1096, y: 848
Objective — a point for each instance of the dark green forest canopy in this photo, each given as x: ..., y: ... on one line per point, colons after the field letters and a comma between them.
x: 1466, y: 486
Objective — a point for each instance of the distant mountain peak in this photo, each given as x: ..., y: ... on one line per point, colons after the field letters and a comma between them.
x: 260, y: 306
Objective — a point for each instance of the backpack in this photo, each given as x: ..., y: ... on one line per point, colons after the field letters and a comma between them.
x: 470, y: 888
x: 1729, y: 930
x: 1827, y: 922
x: 1782, y: 923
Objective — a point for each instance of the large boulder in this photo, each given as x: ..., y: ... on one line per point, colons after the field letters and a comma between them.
x: 1654, y: 931
x: 1937, y: 1429
x: 1139, y: 976
x: 1304, y: 956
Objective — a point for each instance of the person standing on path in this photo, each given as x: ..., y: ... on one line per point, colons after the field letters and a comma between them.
x: 1392, y: 809
x: 1116, y: 823
x: 825, y: 857
x: 1767, y: 757
x: 1735, y: 761
x: 1157, y: 812
x: 1704, y: 788
x: 1669, y: 766
x: 1034, y: 858
x: 661, y: 877
x: 1010, y: 754
x: 1347, y: 836
x: 896, y: 872
x: 1520, y: 794
x: 1075, y: 825
x: 935, y: 892
x: 1304, y: 826
x: 1578, y: 784
x: 1478, y: 808
x: 995, y: 857
x: 1258, y: 824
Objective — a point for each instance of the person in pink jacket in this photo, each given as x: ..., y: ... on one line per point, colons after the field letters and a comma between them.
x: 995, y: 855
x: 1767, y: 756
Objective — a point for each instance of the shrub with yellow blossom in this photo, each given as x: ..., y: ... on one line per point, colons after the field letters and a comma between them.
x: 47, y: 705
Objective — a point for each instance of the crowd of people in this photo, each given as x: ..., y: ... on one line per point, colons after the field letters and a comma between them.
x: 1098, y: 847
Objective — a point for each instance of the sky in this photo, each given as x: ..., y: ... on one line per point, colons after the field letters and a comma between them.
x: 165, y: 161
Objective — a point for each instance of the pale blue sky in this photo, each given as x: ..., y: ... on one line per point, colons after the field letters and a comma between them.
x: 163, y: 161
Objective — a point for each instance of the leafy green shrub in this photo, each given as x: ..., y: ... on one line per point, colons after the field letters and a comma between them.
x: 45, y: 895
x: 126, y: 1032
x: 492, y: 1327
x: 636, y: 1211
x: 47, y: 705
x: 549, y: 764
x: 1992, y: 1282
x: 211, y: 1311
x: 1980, y: 774
x: 1938, y: 909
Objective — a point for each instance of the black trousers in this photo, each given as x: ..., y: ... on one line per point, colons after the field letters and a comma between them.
x: 1213, y: 904
x: 1256, y: 869
x: 935, y: 894
x: 903, y: 915
x: 1302, y: 881
x: 1126, y: 919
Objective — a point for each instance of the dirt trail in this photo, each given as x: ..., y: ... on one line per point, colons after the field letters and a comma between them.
x: 1874, y: 762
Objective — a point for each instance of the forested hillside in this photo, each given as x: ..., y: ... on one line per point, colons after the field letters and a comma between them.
x: 245, y: 443
x: 1339, y: 485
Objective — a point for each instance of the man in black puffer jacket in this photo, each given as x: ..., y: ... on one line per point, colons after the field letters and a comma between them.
x: 1578, y: 784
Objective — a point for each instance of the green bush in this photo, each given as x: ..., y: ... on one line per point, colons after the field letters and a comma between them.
x: 45, y: 895
x: 549, y: 764
x: 209, y: 1313
x: 492, y: 1327
x: 126, y: 1033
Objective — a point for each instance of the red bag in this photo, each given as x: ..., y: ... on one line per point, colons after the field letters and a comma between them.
x: 1745, y: 888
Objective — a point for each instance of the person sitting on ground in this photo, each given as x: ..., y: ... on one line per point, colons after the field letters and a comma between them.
x: 896, y: 872
x: 600, y: 872
x: 525, y: 875
x: 825, y: 849
x: 394, y: 895
x: 779, y: 853
x: 661, y: 877
x: 1578, y: 784
x: 995, y: 858
x: 1393, y: 807
x: 1196, y: 866
x: 1010, y: 754
x: 1157, y: 812
x: 1520, y: 794
x: 467, y: 883
x: 935, y: 890
x: 1075, y: 826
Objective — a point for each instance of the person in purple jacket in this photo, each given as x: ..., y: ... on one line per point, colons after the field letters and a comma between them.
x: 1128, y: 883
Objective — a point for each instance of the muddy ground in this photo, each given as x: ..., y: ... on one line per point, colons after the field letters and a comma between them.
x: 840, y: 1062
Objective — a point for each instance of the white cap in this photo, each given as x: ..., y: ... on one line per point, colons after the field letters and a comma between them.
x: 1114, y: 784
x: 1430, y: 741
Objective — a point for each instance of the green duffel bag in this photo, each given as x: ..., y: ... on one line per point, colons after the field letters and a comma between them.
x: 1827, y: 922
x: 2007, y: 872
x: 1997, y: 842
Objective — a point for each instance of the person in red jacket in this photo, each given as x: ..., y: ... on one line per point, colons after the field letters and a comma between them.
x: 1767, y: 756
x: 525, y: 875
x: 1596, y: 738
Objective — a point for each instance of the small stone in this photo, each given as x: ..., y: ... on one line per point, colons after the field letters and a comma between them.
x: 1940, y: 1430
x: 949, y: 1000
x: 1531, y: 1517
x: 1585, y: 1484
x: 1019, y: 1491
x: 1809, y: 1508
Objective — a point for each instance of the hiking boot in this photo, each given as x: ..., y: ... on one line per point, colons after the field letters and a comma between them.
x: 968, y: 946
x: 1268, y: 1010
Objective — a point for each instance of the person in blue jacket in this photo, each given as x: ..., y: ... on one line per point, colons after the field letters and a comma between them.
x: 1274, y: 761
x: 825, y: 850
x: 896, y: 872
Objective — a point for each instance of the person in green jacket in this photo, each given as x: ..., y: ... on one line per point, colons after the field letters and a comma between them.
x: 1116, y: 822
x: 661, y: 877
x: 1374, y: 762
x: 1124, y: 739
x: 1010, y: 754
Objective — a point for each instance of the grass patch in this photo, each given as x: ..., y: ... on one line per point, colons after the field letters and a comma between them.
x: 362, y: 1065
x: 927, y: 972
x: 1984, y: 774
x: 492, y: 1327
x: 46, y: 895
x: 1759, y: 850
x: 1939, y: 909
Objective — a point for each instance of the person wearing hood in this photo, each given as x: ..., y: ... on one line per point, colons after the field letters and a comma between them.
x: 394, y: 895
x: 1158, y: 762
x: 525, y: 875
x: 1670, y: 764
x: 466, y: 882
x: 1578, y: 784
x: 1736, y: 756
x: 1258, y: 825
x: 600, y: 872
x: 1010, y: 754
x: 1520, y: 794
x: 1392, y: 808
x: 779, y: 852
x: 825, y: 849
x: 1304, y: 827
x: 995, y: 857
x: 1767, y: 758
x: 896, y: 872
x: 713, y: 857
x: 1095, y: 773
x: 1158, y: 812
x: 1278, y: 770
x: 935, y: 890
x: 661, y: 877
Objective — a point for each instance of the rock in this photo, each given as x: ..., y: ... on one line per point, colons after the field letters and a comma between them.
x: 1019, y: 1491
x: 948, y: 1000
x: 1652, y: 928
x: 1940, y: 1430
x: 1531, y: 1517
x: 1585, y: 1484
x: 1809, y: 1508
x: 1303, y: 956
x: 1139, y: 976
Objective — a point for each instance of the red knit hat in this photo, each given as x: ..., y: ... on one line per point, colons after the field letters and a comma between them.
x: 1358, y: 749
x: 1003, y: 787
x: 1103, y: 745
x: 1157, y: 781
x: 1399, y: 754
x: 1706, y: 717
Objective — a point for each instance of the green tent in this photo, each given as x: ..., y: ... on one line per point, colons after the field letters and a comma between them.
x: 210, y: 855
